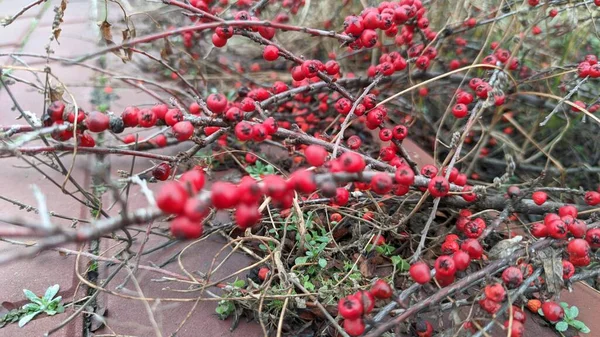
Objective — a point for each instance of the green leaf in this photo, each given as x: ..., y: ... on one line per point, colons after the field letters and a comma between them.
x: 322, y: 263
x: 540, y: 312
x: 564, y: 305
x: 579, y: 325
x: 310, y: 254
x: 60, y: 309
x: 32, y: 297
x: 301, y: 260
x: 573, y: 312
x: 561, y: 326
x: 31, y: 307
x: 51, y: 292
x: 400, y: 263
x: 25, y: 319
x: 239, y: 283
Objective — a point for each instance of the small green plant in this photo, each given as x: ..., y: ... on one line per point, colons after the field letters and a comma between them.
x: 47, y: 304
x: 224, y: 309
x: 569, y: 319
x: 259, y: 169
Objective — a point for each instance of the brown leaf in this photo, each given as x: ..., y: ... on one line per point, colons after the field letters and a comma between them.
x: 108, y: 38
x: 552, y: 269
x: 56, y: 33
x: 366, y: 268
x: 106, y: 33
x: 166, y: 51
x: 63, y: 5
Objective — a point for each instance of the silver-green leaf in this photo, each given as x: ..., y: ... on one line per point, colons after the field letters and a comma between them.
x: 25, y: 319
x: 51, y: 292
x: 32, y: 297
x: 561, y: 326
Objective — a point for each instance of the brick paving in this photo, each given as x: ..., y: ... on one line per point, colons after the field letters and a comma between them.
x: 122, y: 316
x: 29, y: 33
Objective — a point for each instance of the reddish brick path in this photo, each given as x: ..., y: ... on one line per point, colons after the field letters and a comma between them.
x: 123, y: 316
x: 29, y: 33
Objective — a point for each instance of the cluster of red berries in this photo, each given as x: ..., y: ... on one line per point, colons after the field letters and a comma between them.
x: 589, y: 67
x: 179, y: 198
x: 457, y: 257
x: 96, y: 121
x: 559, y: 226
x: 398, y: 19
x: 353, y: 307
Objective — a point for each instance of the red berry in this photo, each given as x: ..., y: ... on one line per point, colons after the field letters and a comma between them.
x: 263, y: 273
x: 539, y: 197
x: 593, y: 237
x: 194, y: 109
x: 429, y: 171
x: 130, y: 116
x: 420, y: 272
x: 460, y: 110
x: 557, y: 229
x: 249, y: 191
x: 577, y: 228
x: 341, y: 196
x: 424, y: 328
x: 517, y: 329
x: 461, y: 259
x: 368, y: 38
x: 216, y: 103
x: 352, y: 162
x: 247, y: 104
x: 250, y: 158
x: 354, y: 327
x: 539, y: 230
x: 400, y: 132
x: 303, y: 181
x: 367, y: 299
x: 343, y: 106
x: 552, y: 311
x: 490, y: 306
x: 518, y: 314
x: 350, y: 307
x: 381, y: 289
x: 315, y: 155
x: 224, y: 195
x: 247, y: 215
x: 405, y: 176
x: 147, y: 118
x: 271, y: 53
x: 97, y: 121
x: 218, y: 41
x: 578, y: 247
x: 592, y: 198
x: 183, y: 131
x: 568, y: 269
x: 196, y: 209
x: 472, y: 247
x: 161, y: 171
x: 171, y: 198
x: 184, y: 228
x: 86, y: 140
x: 445, y: 266
x: 438, y: 187
x: 495, y: 292
x: 332, y: 67
x: 243, y: 131
x: 193, y: 179
x: 567, y: 210
x: 512, y: 277
x: 381, y: 183
x: 173, y: 116
x: 55, y: 111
